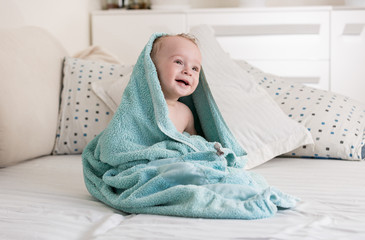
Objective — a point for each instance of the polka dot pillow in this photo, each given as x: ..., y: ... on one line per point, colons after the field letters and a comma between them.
x: 82, y: 114
x: 336, y: 122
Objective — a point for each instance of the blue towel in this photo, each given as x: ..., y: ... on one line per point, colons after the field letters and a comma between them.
x: 141, y: 164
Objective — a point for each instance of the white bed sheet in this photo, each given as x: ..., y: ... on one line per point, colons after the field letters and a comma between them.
x: 46, y: 198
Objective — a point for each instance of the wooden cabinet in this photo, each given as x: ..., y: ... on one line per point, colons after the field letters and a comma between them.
x: 320, y: 46
x: 292, y: 43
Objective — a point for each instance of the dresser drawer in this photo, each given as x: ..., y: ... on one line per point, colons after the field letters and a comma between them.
x: 266, y: 34
x: 311, y: 73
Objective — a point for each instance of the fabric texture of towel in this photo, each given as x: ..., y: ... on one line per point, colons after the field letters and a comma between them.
x: 141, y: 164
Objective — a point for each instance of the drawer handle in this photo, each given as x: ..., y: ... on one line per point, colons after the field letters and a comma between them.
x: 353, y: 29
x: 253, y: 30
x: 302, y: 79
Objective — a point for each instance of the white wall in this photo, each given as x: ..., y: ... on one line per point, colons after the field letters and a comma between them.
x: 67, y: 20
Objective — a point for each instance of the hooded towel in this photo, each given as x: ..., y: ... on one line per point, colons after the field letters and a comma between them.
x: 141, y: 164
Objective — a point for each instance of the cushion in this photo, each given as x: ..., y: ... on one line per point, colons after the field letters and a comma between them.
x: 31, y: 71
x: 111, y: 91
x: 336, y: 122
x: 97, y: 53
x: 82, y: 114
x: 254, y: 118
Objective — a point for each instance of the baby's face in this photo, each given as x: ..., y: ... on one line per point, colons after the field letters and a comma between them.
x: 178, y: 64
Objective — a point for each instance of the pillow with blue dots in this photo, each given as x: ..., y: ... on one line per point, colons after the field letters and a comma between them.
x: 83, y: 115
x: 336, y: 122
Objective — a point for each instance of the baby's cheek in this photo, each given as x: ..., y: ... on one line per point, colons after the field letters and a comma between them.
x: 196, y: 83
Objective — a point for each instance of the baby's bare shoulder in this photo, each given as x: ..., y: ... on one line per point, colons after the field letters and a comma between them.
x: 183, y: 108
x: 189, y: 118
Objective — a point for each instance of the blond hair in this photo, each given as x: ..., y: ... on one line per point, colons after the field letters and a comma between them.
x: 158, y: 41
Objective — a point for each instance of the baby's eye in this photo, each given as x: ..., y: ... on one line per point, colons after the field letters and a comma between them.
x: 179, y: 62
x: 196, y: 69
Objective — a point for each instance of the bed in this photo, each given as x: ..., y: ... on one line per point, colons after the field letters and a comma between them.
x: 50, y: 201
x: 43, y: 194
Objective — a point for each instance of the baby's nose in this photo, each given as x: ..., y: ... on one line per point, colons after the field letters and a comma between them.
x: 186, y: 71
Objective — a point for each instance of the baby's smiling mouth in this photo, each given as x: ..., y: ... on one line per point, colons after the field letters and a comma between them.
x: 182, y: 81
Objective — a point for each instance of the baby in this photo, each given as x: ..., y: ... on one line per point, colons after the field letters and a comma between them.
x: 178, y: 62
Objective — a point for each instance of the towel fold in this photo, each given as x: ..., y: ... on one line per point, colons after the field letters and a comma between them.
x: 141, y: 164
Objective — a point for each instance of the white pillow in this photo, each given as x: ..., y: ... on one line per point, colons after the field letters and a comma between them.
x: 336, y: 122
x: 82, y: 114
x: 111, y: 91
x: 254, y: 118
x: 97, y: 53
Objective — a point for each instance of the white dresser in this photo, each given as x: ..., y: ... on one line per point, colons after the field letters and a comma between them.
x: 321, y: 46
x: 348, y: 53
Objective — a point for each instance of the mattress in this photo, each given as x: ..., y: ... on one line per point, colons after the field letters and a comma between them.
x: 45, y: 198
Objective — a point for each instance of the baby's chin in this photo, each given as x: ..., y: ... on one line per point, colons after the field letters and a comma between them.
x: 179, y: 92
x: 188, y: 92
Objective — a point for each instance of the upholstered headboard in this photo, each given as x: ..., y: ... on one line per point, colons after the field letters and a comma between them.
x: 31, y: 71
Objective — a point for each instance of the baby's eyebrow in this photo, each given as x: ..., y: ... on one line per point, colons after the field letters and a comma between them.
x: 174, y: 57
x: 180, y: 56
